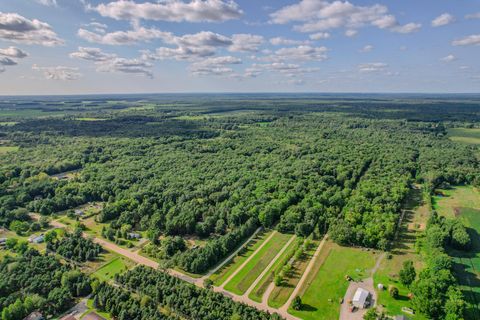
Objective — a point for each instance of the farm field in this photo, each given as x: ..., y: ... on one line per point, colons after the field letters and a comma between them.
x: 465, y: 135
x: 5, y: 149
x: 464, y: 203
x: 244, y: 279
x: 416, y: 215
x: 261, y: 287
x: 229, y: 268
x: 326, y: 287
x: 280, y: 294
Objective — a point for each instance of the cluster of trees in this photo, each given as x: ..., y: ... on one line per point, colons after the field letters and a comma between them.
x: 122, y: 305
x: 167, y: 248
x: 33, y: 281
x: 436, y: 293
x: 289, y: 260
x: 186, y: 300
x: 74, y: 246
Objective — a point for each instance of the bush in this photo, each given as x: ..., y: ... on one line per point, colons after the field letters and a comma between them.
x: 297, y: 303
x: 393, y: 291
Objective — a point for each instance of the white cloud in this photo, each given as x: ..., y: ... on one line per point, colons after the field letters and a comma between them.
x: 473, y: 39
x: 473, y: 16
x: 322, y: 15
x: 320, y: 36
x: 171, y: 10
x: 92, y: 54
x: 58, y: 72
x: 214, y: 66
x: 109, y: 62
x: 302, y: 53
x: 367, y: 48
x: 351, y: 33
x: 286, y: 69
x: 407, y: 28
x: 281, y: 41
x: 50, y: 3
x: 129, y: 37
x: 13, y: 52
x: 16, y: 28
x: 246, y: 43
x: 6, y: 61
x: 443, y: 20
x: 372, y: 67
x: 449, y: 58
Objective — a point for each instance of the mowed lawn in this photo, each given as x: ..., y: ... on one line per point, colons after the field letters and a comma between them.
x: 464, y: 203
x: 110, y: 269
x: 465, y: 135
x: 321, y: 299
x: 229, y: 268
x: 280, y: 294
x: 261, y: 287
x: 244, y: 279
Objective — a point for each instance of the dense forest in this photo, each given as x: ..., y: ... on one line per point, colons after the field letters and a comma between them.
x: 218, y: 168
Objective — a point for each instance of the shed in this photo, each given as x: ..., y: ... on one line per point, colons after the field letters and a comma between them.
x: 134, y: 235
x: 34, y: 316
x: 361, y: 298
x: 37, y: 239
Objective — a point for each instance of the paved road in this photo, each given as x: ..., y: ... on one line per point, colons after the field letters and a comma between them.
x: 304, y: 277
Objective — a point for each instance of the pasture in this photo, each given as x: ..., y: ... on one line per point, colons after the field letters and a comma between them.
x: 327, y: 285
x: 110, y: 269
x: 465, y: 135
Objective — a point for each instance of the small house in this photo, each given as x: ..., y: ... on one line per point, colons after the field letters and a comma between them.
x: 34, y: 316
x: 361, y: 298
x: 79, y: 212
x: 134, y: 235
x: 37, y: 239
x: 3, y: 240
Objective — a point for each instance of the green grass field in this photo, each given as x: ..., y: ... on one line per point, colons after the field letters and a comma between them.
x: 244, y: 279
x: 261, y: 287
x: 464, y: 203
x: 223, y: 273
x: 5, y: 149
x: 91, y: 308
x: 414, y: 222
x: 465, y: 135
x: 280, y: 294
x: 110, y: 269
x: 321, y: 299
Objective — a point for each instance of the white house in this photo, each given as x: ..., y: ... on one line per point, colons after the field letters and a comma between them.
x: 361, y: 298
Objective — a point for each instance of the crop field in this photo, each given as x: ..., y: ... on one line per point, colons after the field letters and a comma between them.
x: 465, y: 135
x: 464, y: 203
x: 229, y: 268
x: 326, y: 288
x: 261, y: 287
x: 280, y: 294
x: 244, y: 279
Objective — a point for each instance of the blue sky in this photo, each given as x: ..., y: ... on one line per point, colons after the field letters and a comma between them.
x: 135, y: 46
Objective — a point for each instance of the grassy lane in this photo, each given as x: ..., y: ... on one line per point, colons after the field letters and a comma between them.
x: 244, y: 279
x: 281, y: 293
x: 322, y: 295
x: 261, y: 287
x: 223, y: 273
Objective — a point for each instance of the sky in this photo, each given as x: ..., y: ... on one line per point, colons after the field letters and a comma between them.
x: 149, y: 46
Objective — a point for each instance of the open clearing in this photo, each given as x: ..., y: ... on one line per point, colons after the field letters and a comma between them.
x: 465, y: 135
x: 110, y: 269
x: 416, y: 215
x: 261, y: 287
x: 245, y: 277
x: 5, y: 149
x: 280, y: 294
x: 229, y: 268
x: 464, y: 203
x: 326, y: 285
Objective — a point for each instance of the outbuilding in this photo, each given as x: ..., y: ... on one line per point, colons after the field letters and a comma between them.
x: 361, y: 298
